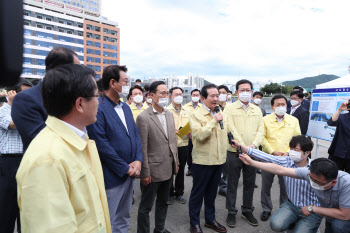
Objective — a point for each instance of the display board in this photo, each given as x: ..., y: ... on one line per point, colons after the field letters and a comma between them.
x: 324, y: 103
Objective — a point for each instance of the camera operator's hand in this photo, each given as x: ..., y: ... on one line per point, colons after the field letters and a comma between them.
x: 235, y: 144
x: 10, y: 96
x: 344, y: 106
x: 218, y: 117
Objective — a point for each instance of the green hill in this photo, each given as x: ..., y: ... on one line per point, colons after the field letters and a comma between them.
x: 311, y: 82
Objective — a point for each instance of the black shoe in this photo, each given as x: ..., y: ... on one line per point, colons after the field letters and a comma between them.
x: 181, y: 199
x: 222, y: 193
x: 216, y: 226
x: 250, y: 218
x: 256, y: 186
x: 170, y: 200
x: 264, y: 216
x: 231, y: 220
x: 189, y: 173
x: 258, y: 171
x: 196, y: 229
x: 164, y: 231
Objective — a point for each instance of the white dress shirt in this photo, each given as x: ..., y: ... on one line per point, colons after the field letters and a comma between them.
x: 118, y: 108
x: 162, y: 119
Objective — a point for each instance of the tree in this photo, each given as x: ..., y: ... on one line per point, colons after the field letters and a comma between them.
x: 275, y: 88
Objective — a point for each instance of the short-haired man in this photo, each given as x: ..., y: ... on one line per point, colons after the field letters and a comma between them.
x: 60, y: 179
x: 279, y: 130
x: 11, y: 153
x: 245, y: 122
x: 298, y: 111
x: 191, y: 106
x: 119, y: 146
x: 137, y: 106
x: 305, y: 103
x: 28, y: 112
x: 181, y: 118
x: 223, y: 93
x: 138, y: 82
x: 148, y: 100
x: 229, y: 97
x: 339, y: 150
x: 209, y: 154
x: 257, y: 98
x: 300, y: 192
x: 332, y: 188
x: 160, y: 161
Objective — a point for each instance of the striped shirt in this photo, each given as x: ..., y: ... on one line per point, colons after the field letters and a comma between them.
x: 299, y: 191
x: 10, y: 140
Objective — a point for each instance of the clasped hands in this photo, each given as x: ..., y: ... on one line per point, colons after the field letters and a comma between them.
x: 134, y: 169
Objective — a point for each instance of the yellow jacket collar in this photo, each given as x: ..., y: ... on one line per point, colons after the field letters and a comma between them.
x: 66, y: 133
x: 272, y: 118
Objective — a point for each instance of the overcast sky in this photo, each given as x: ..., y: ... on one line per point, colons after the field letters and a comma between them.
x: 232, y: 39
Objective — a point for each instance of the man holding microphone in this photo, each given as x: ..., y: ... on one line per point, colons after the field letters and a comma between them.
x: 209, y: 136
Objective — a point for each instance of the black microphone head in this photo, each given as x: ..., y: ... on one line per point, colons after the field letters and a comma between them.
x: 217, y: 109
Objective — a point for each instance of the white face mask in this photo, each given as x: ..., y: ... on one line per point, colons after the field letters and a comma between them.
x: 163, y: 102
x: 229, y: 97
x: 149, y: 101
x: 245, y: 96
x: 138, y: 99
x: 257, y: 101
x: 294, y: 102
x: 125, y: 91
x: 195, y: 99
x: 317, y: 186
x: 222, y: 97
x: 280, y: 111
x: 295, y: 155
x: 178, y: 99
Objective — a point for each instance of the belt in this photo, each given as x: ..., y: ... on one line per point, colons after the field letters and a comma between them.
x: 11, y: 155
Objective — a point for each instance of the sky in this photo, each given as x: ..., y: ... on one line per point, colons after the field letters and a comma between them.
x: 227, y: 40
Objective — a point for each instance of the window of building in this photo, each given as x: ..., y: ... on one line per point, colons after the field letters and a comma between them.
x: 96, y: 9
x: 27, y: 71
x: 91, y: 8
x: 69, y: 23
x: 27, y: 50
x: 106, y: 46
x: 97, y: 44
x: 105, y: 61
x: 81, y: 58
x: 89, y: 59
x: 97, y: 60
x: 98, y: 76
x: 27, y: 41
x: 89, y: 27
x: 80, y: 50
x: 89, y: 35
x: 97, y: 29
x: 39, y: 26
x: 97, y: 68
x: 48, y: 27
x: 48, y: 19
x: 27, y: 22
x: 89, y: 43
x: 40, y: 72
x: 42, y: 52
x: 95, y: 3
x: 61, y: 30
x: 80, y: 41
x: 80, y: 25
x: 80, y: 33
x: 40, y: 62
x: 27, y: 13
x: 78, y: 4
x: 114, y: 62
x: 27, y: 60
x: 114, y: 55
x: 114, y: 33
x: 114, y: 47
x: 97, y: 37
x: 105, y: 30
x: 89, y: 51
x: 61, y: 21
x: 27, y: 32
x: 83, y: 6
x: 105, y: 54
x: 39, y: 17
x: 105, y: 38
x: 97, y: 52
x: 74, y: 3
x: 69, y: 32
x: 114, y: 40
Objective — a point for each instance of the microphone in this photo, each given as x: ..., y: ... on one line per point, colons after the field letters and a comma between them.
x: 216, y: 109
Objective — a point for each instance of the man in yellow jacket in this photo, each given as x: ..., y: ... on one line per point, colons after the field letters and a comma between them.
x: 245, y: 122
x: 209, y: 153
x: 60, y: 180
x: 191, y: 106
x: 181, y: 118
x: 280, y: 127
x: 137, y: 106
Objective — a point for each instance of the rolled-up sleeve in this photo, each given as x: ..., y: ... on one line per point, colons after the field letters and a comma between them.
x: 5, y: 116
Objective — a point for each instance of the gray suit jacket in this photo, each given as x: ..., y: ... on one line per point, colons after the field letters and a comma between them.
x: 159, y: 152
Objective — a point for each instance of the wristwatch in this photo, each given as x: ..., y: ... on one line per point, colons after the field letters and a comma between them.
x: 309, y: 208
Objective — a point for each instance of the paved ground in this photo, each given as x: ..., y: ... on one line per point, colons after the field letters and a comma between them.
x: 178, y: 219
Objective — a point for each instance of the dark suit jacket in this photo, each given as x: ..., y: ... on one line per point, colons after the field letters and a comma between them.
x: 116, y: 145
x: 28, y: 114
x: 159, y: 152
x: 305, y: 104
x: 303, y: 116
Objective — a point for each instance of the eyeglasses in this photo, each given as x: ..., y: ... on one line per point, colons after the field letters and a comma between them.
x: 318, y: 182
x: 163, y: 94
x: 92, y: 96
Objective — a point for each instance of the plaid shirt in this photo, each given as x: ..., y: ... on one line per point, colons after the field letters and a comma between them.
x: 10, y: 140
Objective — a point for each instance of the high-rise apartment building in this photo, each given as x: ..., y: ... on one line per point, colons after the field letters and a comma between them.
x: 72, y: 24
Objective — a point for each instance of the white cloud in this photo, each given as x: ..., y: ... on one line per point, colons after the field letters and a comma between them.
x: 259, y: 40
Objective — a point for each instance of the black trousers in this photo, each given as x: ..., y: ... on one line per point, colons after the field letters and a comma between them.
x: 189, y: 156
x: 206, y: 180
x: 159, y: 190
x: 9, y: 210
x: 180, y: 176
x: 342, y: 164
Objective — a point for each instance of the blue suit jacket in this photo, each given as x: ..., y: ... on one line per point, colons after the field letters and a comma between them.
x: 116, y: 146
x: 28, y: 114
